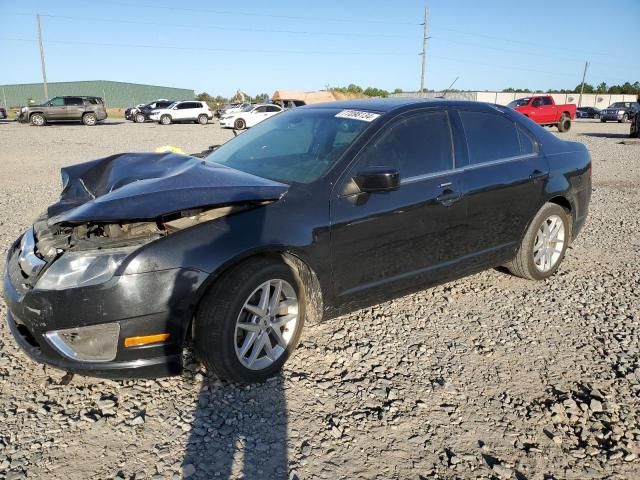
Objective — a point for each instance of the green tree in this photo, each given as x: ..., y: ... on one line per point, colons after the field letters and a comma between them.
x: 588, y: 88
x: 397, y: 90
x: 602, y: 88
x: 261, y: 98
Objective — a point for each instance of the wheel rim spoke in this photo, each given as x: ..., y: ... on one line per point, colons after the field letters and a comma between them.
x: 549, y: 243
x: 266, y: 324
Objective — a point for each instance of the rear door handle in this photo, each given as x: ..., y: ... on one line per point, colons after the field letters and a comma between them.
x: 448, y: 198
x: 538, y: 175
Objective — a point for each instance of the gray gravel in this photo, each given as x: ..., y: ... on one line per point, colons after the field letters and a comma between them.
x: 490, y: 376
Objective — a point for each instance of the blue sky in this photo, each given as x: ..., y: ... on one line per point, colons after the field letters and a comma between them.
x: 260, y: 46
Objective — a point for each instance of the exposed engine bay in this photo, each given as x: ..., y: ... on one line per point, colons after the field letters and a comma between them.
x: 53, y: 240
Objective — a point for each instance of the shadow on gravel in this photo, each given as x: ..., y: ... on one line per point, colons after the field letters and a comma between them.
x: 607, y: 135
x: 238, y: 432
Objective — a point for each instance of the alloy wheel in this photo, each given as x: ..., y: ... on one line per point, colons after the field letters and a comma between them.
x: 549, y: 243
x: 266, y: 324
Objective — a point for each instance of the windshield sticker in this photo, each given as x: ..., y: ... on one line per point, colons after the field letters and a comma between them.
x: 358, y: 115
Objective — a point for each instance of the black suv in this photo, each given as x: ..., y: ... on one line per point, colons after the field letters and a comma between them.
x: 88, y: 110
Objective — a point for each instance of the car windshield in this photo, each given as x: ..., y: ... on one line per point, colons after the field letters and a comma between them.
x: 518, y: 103
x: 297, y: 146
x: 172, y: 105
x: 248, y: 108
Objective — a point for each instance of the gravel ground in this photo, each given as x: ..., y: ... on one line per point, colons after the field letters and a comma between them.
x: 490, y: 376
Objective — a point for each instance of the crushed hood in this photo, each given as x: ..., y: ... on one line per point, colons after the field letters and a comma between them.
x: 145, y: 186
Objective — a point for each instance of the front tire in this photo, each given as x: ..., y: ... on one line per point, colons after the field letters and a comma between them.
x: 38, y: 120
x: 239, y: 124
x: 624, y: 118
x: 250, y: 321
x: 165, y: 120
x: 138, y: 118
x: 544, y: 245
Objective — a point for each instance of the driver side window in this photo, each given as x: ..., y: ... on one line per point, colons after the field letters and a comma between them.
x: 416, y: 145
x: 57, y: 102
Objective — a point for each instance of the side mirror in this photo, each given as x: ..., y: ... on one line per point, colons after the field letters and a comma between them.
x: 174, y: 108
x: 378, y: 179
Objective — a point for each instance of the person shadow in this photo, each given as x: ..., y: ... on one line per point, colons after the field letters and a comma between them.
x: 238, y: 432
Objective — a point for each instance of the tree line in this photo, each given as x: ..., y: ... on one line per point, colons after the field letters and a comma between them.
x: 626, y: 88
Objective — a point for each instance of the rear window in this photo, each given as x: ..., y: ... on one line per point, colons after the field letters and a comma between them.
x: 73, y: 101
x: 490, y: 137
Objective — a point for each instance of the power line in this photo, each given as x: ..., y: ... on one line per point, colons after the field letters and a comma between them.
x: 524, y: 42
x: 209, y: 49
x: 253, y: 14
x: 209, y: 27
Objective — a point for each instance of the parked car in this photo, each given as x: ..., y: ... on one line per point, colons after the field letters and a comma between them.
x: 635, y: 127
x: 544, y: 111
x: 316, y: 211
x: 620, y: 112
x: 3, y: 113
x: 180, y: 112
x: 249, y: 116
x: 131, y: 111
x: 229, y: 108
x: 88, y: 110
x: 144, y: 113
x: 587, y: 112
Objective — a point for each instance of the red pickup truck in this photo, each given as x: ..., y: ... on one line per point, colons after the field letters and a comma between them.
x: 544, y: 111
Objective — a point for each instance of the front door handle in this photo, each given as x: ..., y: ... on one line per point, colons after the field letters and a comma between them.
x: 448, y: 198
x: 538, y: 175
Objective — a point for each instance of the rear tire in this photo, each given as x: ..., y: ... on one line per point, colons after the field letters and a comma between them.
x: 564, y: 125
x: 89, y: 119
x: 165, y: 120
x: 239, y: 124
x: 203, y: 119
x: 223, y: 326
x: 535, y: 249
x: 38, y: 120
x: 602, y: 120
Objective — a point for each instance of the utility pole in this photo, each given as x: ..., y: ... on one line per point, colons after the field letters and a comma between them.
x: 44, y: 68
x: 584, y: 74
x: 424, y: 51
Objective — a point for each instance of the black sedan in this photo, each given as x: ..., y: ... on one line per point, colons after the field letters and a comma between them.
x: 141, y: 114
x: 587, y: 112
x: 317, y: 211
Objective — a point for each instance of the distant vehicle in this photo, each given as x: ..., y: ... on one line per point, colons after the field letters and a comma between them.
x: 249, y: 116
x: 229, y: 108
x: 131, y: 111
x: 544, y: 111
x: 143, y: 113
x: 3, y: 112
x: 635, y: 127
x: 179, y: 112
x: 235, y: 108
x: 587, y: 112
x: 620, y: 112
x: 88, y: 110
x: 289, y: 104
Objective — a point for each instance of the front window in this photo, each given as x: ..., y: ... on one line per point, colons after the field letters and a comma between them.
x: 519, y: 103
x: 297, y: 146
x: 56, y: 102
x: 621, y: 105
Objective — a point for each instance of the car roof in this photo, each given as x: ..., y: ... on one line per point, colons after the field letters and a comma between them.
x: 385, y: 105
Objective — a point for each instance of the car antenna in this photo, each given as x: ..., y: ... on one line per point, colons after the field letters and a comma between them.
x: 448, y: 88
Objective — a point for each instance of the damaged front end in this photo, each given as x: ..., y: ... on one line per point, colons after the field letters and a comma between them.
x: 70, y: 305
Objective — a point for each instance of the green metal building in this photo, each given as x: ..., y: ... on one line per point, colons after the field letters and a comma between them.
x: 115, y: 94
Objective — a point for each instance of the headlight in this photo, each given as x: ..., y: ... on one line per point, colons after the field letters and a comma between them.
x: 80, y: 269
x: 95, y: 343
